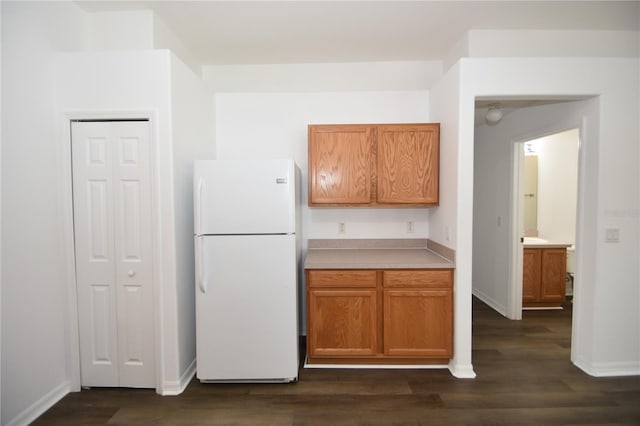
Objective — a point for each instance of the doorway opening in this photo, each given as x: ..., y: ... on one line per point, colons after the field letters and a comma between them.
x: 548, y: 188
x: 498, y: 221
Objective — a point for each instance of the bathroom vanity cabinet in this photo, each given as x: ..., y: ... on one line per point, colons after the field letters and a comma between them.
x: 544, y: 276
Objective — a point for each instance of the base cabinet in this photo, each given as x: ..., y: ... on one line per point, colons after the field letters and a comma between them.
x: 532, y: 260
x: 379, y: 316
x: 544, y: 275
x: 417, y: 323
x: 344, y: 322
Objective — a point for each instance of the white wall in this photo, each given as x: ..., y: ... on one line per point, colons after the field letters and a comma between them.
x: 518, y: 43
x: 324, y: 77
x: 192, y: 109
x: 554, y: 43
x: 120, y: 30
x: 165, y: 38
x: 0, y: 232
x: 603, y: 344
x: 491, y: 215
x: 34, y: 275
x: 558, y: 186
x: 446, y: 223
x: 135, y: 30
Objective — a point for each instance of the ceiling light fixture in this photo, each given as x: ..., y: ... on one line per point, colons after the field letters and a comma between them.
x: 494, y: 115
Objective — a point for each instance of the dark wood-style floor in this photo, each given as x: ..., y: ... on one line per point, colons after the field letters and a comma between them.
x: 524, y: 377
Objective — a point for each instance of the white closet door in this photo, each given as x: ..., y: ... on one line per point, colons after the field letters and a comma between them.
x: 112, y: 222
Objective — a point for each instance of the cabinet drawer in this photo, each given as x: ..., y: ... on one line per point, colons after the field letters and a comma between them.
x: 436, y: 278
x: 339, y: 278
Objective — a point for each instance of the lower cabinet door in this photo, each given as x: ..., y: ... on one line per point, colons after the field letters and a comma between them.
x: 531, y: 263
x: 553, y: 275
x: 418, y: 323
x: 342, y: 323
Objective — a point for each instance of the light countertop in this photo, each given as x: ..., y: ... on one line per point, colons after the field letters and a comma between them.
x: 377, y: 254
x: 534, y: 242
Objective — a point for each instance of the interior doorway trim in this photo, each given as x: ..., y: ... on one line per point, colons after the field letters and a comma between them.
x: 68, y: 243
x: 514, y: 291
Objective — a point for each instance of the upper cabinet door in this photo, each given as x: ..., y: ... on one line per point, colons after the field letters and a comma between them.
x: 341, y: 164
x: 374, y: 164
x: 408, y: 164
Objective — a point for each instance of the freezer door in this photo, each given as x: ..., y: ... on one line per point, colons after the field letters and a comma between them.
x: 244, y: 197
x: 246, y: 308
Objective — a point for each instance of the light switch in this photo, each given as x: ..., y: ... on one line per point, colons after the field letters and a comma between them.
x: 612, y: 235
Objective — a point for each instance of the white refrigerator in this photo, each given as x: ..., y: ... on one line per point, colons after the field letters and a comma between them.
x: 247, y: 252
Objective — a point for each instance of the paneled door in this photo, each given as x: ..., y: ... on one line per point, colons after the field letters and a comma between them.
x: 112, y: 225
x: 341, y: 164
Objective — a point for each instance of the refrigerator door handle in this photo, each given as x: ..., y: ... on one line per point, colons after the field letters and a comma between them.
x: 200, y: 271
x: 198, y: 204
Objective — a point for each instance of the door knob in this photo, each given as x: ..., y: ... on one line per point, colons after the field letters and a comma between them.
x: 131, y: 272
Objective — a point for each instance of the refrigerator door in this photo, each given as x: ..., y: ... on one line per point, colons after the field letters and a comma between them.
x: 246, y: 308
x: 244, y: 197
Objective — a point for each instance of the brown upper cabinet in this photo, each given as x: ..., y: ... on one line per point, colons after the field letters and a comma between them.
x: 374, y: 164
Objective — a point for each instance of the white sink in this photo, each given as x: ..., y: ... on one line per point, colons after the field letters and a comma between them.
x: 535, y: 240
x: 542, y: 243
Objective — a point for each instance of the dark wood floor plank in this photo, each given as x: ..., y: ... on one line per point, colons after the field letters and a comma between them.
x: 524, y: 377
x: 352, y: 387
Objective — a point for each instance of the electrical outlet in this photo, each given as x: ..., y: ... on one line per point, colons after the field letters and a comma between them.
x: 410, y: 227
x: 341, y: 228
x: 447, y: 233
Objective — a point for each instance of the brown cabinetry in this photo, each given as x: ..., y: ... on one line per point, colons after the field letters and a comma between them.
x: 408, y: 161
x: 418, y: 319
x: 366, y: 165
x: 344, y: 314
x: 544, y: 275
x: 379, y: 316
x: 341, y: 164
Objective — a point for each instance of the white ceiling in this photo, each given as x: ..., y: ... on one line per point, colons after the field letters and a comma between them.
x: 242, y: 32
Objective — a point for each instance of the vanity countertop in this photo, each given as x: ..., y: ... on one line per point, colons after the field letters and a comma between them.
x: 534, y: 242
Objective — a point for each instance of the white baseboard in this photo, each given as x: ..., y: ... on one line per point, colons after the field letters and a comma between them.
x: 462, y: 371
x: 39, y: 407
x: 377, y: 366
x: 176, y: 387
x: 501, y: 309
x: 610, y: 369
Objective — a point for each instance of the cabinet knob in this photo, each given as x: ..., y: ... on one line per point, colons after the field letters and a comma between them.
x: 131, y: 273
